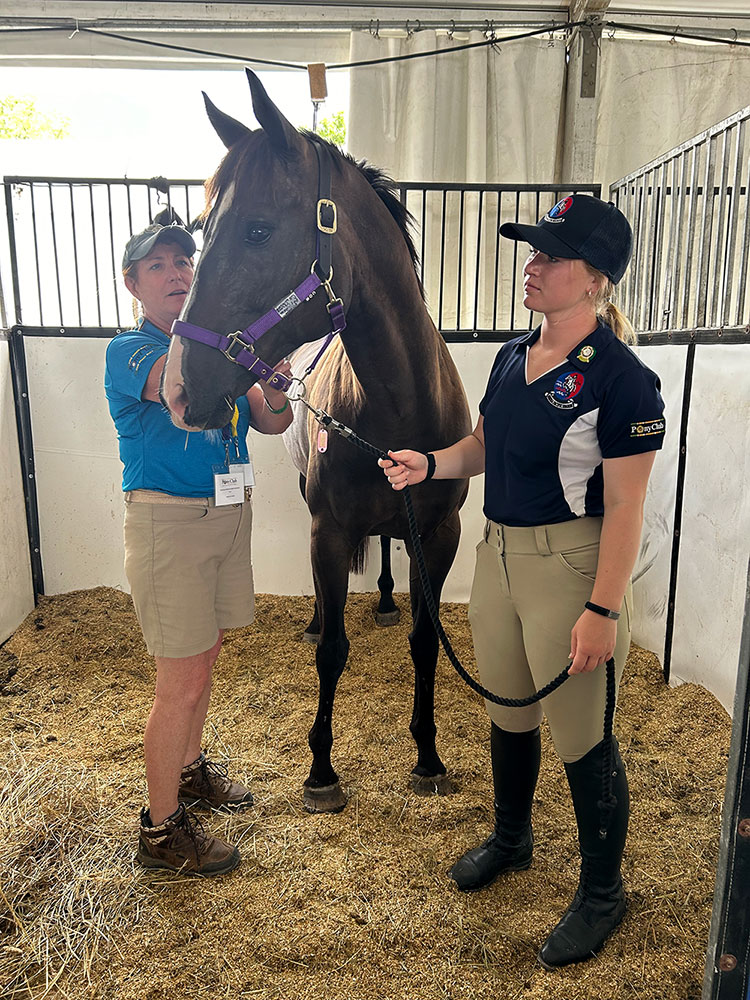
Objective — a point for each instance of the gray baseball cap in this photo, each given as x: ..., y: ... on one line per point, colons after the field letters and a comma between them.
x: 141, y: 244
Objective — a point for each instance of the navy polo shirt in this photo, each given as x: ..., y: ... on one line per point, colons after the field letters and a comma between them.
x: 545, y: 442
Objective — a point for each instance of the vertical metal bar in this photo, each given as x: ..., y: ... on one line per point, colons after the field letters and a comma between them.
x: 536, y: 216
x: 13, y: 251
x: 646, y: 289
x: 657, y: 292
x: 678, y: 503
x: 54, y: 251
x: 727, y: 973
x: 442, y: 264
x: 423, y: 242
x: 477, y: 259
x: 692, y: 197
x: 733, y: 224
x: 715, y: 287
x: 130, y: 208
x: 20, y: 379
x: 742, y: 319
x: 514, y: 268
x: 96, y: 256
x: 36, y: 254
x: 495, y: 289
x: 112, y: 252
x: 461, y: 207
x: 75, y: 254
x: 679, y: 201
x: 704, y: 247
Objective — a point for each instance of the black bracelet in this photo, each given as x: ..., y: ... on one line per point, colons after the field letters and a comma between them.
x: 430, y: 466
x: 599, y: 610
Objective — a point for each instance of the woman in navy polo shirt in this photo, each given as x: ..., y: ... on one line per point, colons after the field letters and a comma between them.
x: 567, y: 434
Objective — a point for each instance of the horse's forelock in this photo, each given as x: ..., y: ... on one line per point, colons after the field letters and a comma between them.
x: 253, y: 154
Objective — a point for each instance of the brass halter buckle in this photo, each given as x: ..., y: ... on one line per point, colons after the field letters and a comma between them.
x: 235, y: 343
x: 326, y: 203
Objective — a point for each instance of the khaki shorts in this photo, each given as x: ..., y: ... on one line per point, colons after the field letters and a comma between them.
x: 530, y: 585
x: 189, y: 569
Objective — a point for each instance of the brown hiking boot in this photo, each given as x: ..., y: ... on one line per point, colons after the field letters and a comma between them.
x: 206, y: 785
x: 181, y: 844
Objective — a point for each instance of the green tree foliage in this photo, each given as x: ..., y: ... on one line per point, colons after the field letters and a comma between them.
x: 21, y: 119
x: 333, y: 128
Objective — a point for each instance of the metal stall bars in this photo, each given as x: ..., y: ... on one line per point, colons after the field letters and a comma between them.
x: 471, y: 276
x: 690, y: 210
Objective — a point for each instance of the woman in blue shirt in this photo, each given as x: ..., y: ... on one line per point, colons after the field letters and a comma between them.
x: 187, y: 552
x: 567, y: 434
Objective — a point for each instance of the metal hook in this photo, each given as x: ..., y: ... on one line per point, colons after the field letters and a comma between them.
x: 409, y: 30
x: 611, y: 32
x: 736, y: 36
x: 75, y: 32
x: 673, y: 39
x: 376, y: 32
x: 452, y: 29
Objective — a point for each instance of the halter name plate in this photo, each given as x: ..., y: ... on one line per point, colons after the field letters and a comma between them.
x: 287, y: 305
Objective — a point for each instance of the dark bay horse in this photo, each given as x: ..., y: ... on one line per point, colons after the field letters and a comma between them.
x: 390, y: 377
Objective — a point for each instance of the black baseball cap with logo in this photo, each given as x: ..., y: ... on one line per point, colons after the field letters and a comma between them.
x: 581, y: 227
x: 141, y: 244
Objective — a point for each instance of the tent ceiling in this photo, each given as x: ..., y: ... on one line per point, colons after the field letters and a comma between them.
x: 281, y: 29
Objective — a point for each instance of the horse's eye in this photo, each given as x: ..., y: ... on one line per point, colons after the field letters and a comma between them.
x: 257, y: 234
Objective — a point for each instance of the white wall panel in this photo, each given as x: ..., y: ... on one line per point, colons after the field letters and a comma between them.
x: 16, y: 591
x: 715, y: 537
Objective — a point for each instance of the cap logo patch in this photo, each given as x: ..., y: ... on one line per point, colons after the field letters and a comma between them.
x: 560, y: 209
x: 566, y: 387
x: 587, y: 353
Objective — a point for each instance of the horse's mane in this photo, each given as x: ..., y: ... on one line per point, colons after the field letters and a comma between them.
x: 261, y: 155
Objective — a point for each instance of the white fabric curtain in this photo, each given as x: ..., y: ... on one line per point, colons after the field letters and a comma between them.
x: 482, y: 115
x: 654, y: 95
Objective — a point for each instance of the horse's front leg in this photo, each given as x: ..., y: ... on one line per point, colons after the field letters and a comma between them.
x: 330, y: 562
x: 429, y: 776
x: 387, y: 612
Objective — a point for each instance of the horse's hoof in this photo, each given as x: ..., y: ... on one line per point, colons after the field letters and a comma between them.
x: 385, y: 618
x: 432, y: 784
x: 328, y: 799
x: 312, y: 637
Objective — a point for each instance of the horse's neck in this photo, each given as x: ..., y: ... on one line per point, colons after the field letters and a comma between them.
x: 395, y: 355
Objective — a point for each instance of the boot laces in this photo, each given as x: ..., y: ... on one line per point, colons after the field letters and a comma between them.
x: 190, y: 827
x: 212, y: 773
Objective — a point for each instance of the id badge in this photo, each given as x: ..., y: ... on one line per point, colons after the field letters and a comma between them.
x: 229, y: 487
x: 247, y: 473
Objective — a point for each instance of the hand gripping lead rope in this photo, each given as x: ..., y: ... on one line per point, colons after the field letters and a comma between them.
x: 608, y: 801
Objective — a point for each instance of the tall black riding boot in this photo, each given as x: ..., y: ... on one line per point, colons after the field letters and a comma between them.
x: 599, y: 903
x: 515, y: 769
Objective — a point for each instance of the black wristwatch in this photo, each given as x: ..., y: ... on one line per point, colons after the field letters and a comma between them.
x: 599, y: 610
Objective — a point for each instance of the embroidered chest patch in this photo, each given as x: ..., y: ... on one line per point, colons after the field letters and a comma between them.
x: 565, y: 388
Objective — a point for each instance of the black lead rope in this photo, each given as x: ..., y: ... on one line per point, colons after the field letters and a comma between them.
x: 607, y: 803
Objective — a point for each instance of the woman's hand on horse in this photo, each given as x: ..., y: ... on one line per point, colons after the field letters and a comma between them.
x: 405, y: 468
x: 592, y: 642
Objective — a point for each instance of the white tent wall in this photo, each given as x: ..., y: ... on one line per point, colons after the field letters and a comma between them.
x: 472, y: 116
x: 654, y: 95
x: 16, y: 590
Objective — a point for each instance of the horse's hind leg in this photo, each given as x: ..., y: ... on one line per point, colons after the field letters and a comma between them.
x: 386, y: 613
x: 330, y: 561
x: 429, y: 775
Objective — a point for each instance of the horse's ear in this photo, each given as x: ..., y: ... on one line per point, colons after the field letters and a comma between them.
x: 283, y: 136
x: 229, y: 130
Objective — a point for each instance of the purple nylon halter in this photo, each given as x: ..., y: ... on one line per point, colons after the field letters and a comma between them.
x: 239, y: 346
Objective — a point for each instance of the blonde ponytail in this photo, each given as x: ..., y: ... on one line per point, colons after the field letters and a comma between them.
x: 608, y: 312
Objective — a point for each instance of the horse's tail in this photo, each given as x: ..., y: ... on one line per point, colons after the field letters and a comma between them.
x: 359, y: 557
